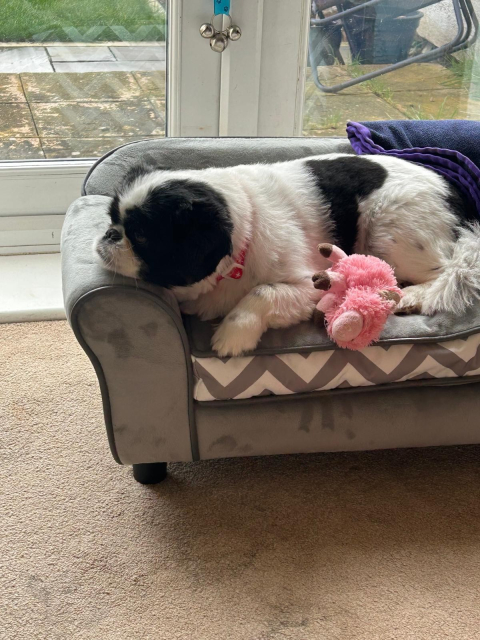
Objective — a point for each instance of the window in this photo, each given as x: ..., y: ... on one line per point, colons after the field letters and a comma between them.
x: 432, y: 66
x: 77, y: 82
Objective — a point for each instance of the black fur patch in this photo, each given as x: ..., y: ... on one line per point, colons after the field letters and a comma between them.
x: 180, y: 231
x: 114, y: 210
x: 464, y: 210
x: 342, y: 183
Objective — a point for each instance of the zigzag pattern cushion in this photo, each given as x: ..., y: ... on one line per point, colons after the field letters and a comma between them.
x: 287, y: 373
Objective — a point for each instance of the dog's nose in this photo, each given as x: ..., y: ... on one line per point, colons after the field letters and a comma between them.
x: 113, y: 235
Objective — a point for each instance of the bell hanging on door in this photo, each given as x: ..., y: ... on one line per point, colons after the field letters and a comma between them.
x: 219, y: 37
x: 207, y: 30
x: 218, y: 42
x: 234, y: 32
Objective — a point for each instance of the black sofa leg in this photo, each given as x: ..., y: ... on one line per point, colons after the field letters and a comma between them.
x: 151, y: 473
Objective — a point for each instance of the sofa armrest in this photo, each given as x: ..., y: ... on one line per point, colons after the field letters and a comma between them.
x: 134, y: 336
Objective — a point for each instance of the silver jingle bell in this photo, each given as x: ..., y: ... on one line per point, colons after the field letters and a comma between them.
x: 218, y: 43
x: 207, y: 30
x: 234, y: 32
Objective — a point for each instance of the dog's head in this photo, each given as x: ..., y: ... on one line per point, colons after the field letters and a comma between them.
x: 170, y: 232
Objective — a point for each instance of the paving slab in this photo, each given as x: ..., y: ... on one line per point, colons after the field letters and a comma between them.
x: 24, y: 59
x: 16, y: 121
x: 328, y: 113
x: 97, y: 119
x: 123, y: 65
x: 152, y: 83
x: 79, y: 54
x: 160, y: 108
x: 332, y: 75
x: 85, y: 147
x: 11, y: 89
x: 138, y: 52
x: 414, y: 77
x: 436, y: 105
x: 80, y: 87
x: 21, y: 149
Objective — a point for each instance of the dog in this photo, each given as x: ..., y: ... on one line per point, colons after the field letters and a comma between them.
x: 241, y: 242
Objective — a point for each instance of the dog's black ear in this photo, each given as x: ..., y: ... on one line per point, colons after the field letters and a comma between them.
x: 189, y: 206
x: 188, y: 228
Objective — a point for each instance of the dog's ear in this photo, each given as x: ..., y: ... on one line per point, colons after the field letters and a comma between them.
x: 188, y: 229
x: 190, y: 207
x: 202, y: 227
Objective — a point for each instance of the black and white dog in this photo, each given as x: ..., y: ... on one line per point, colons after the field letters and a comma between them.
x: 241, y: 242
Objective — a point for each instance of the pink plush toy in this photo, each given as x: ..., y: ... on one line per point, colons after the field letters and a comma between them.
x: 359, y: 293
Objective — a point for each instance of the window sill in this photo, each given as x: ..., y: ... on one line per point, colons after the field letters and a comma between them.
x: 31, y: 288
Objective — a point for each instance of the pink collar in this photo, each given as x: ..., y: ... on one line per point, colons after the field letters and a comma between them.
x: 237, y: 270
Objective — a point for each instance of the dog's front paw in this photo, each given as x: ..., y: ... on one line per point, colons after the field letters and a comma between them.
x: 239, y: 332
x: 411, y: 301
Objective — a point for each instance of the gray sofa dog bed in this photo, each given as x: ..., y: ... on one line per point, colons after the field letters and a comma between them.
x: 167, y: 397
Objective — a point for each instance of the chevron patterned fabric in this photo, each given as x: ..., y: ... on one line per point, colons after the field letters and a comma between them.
x: 252, y: 376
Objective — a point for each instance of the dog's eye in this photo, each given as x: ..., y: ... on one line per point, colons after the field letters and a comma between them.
x: 140, y: 239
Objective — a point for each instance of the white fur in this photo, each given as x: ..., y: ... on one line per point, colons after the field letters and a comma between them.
x: 276, y: 211
x: 118, y: 257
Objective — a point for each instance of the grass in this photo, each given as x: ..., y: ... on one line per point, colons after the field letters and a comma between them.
x: 377, y: 85
x: 329, y: 122
x: 80, y: 20
x: 332, y: 121
x: 465, y: 74
x: 462, y: 71
x: 419, y: 113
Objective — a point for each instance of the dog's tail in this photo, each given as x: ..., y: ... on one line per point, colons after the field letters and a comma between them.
x: 458, y: 283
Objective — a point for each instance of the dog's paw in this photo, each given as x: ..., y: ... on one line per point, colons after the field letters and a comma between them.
x: 239, y: 332
x: 411, y: 301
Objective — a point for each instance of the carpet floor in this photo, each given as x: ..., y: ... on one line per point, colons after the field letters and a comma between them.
x: 379, y: 545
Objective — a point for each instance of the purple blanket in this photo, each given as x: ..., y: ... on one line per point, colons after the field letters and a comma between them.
x: 456, y: 167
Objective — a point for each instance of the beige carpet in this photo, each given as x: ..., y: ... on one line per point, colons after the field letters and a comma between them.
x: 381, y: 545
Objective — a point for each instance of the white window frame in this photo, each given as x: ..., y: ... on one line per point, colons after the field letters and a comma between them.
x: 254, y: 88
x: 34, y: 198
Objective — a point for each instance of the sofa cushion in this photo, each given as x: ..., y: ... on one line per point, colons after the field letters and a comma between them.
x: 303, y: 359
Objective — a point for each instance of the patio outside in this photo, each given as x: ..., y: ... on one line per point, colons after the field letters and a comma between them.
x: 78, y: 91
x: 77, y: 79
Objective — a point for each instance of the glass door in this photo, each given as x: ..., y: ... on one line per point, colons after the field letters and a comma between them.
x: 390, y: 60
x: 306, y: 67
x: 78, y: 78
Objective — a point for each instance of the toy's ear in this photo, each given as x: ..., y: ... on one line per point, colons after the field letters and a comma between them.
x: 326, y: 280
x: 321, y: 280
x: 331, y: 252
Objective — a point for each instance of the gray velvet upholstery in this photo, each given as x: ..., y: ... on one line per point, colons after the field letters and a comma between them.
x: 141, y: 348
x: 308, y: 336
x: 133, y: 333
x: 350, y: 420
x: 198, y: 153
